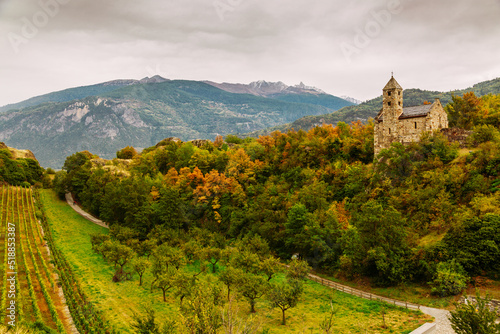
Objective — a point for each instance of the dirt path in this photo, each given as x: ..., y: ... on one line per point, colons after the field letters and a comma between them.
x: 82, y: 213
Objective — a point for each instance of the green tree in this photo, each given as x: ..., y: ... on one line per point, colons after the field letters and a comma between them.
x: 184, y: 283
x: 165, y: 261
x: 165, y: 281
x: 298, y: 270
x: 202, y: 309
x: 213, y: 255
x: 97, y: 239
x: 252, y: 287
x: 270, y: 266
x: 140, y: 265
x: 285, y: 295
x: 382, y: 232
x: 297, y: 220
x: 76, y: 160
x: 60, y: 184
x: 119, y: 254
x: 231, y: 277
x: 474, y: 318
x: 475, y: 244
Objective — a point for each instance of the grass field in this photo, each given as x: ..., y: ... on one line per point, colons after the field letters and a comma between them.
x: 119, y: 301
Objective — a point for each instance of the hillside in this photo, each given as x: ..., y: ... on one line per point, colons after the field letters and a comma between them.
x: 416, y: 210
x: 369, y: 109
x: 140, y: 115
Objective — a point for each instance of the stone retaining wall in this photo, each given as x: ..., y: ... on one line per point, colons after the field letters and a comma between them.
x: 457, y: 135
x: 427, y: 328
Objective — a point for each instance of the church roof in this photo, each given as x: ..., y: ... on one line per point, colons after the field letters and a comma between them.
x: 392, y: 84
x: 417, y: 111
x: 409, y: 112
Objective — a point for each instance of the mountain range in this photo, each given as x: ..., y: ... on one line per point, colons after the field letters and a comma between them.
x: 106, y: 117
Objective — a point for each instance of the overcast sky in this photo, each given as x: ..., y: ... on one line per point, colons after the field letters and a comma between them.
x: 343, y: 47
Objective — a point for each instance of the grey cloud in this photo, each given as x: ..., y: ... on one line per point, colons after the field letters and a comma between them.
x: 431, y: 43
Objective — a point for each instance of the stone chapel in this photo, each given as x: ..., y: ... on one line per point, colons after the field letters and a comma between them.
x: 397, y: 124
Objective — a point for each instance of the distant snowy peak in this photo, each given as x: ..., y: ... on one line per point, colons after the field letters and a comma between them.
x: 351, y: 99
x: 265, y: 88
x: 302, y: 86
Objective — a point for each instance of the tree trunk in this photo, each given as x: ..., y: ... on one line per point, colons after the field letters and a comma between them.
x: 284, y: 319
x: 164, y: 297
x: 252, y: 306
x: 152, y: 284
x: 140, y: 280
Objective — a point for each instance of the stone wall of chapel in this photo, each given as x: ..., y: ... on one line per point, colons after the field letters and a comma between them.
x: 437, y: 118
x: 411, y: 128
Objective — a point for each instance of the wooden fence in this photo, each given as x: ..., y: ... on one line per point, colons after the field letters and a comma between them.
x: 362, y: 294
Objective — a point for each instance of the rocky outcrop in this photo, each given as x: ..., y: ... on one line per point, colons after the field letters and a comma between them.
x: 18, y: 154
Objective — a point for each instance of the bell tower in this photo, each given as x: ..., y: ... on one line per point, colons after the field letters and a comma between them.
x: 392, y: 108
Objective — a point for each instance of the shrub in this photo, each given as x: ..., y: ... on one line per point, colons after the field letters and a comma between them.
x: 449, y: 280
x: 482, y: 134
x: 475, y: 318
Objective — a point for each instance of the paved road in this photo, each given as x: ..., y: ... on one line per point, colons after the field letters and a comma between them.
x: 443, y: 325
x: 84, y: 214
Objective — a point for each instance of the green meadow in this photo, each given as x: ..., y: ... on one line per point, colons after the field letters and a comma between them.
x: 119, y: 301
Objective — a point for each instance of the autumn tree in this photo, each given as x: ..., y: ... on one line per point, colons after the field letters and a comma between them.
x: 126, y: 153
x: 465, y: 112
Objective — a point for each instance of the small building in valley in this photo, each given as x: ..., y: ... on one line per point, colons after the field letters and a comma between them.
x: 395, y: 123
